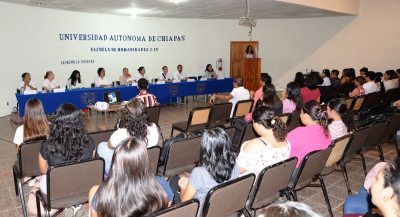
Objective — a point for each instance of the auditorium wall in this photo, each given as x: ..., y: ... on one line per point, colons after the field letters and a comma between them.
x: 31, y: 41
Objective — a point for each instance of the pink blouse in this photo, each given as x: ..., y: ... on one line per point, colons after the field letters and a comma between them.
x: 257, y: 95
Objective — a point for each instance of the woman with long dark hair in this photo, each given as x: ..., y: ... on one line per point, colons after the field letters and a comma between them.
x: 209, y: 72
x: 311, y: 90
x: 75, y: 79
x: 270, y: 148
x: 215, y: 167
x: 299, y: 79
x: 342, y: 120
x: 134, y: 122
x: 271, y: 99
x: 130, y: 189
x: 314, y: 135
x: 292, y: 98
x: 35, y: 123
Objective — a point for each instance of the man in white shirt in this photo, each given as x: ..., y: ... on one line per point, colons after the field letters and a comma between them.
x: 27, y: 83
x: 238, y: 93
x: 370, y: 86
x: 180, y: 75
x: 164, y: 75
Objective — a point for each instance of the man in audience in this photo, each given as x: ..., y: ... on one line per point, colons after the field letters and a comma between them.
x: 370, y: 86
x: 179, y: 75
x: 335, y: 78
x: 148, y: 99
x: 238, y: 93
x: 164, y: 75
x: 363, y: 70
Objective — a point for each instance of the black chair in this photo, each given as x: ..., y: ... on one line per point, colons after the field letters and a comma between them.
x: 391, y: 131
x: 391, y: 96
x: 356, y: 146
x: 220, y: 114
x: 199, y: 118
x: 375, y: 137
x: 326, y: 93
x: 101, y: 136
x: 153, y: 114
x: 186, y: 209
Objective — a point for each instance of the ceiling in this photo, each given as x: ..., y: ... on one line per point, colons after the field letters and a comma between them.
x: 204, y: 9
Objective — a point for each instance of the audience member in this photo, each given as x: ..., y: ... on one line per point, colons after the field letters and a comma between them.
x: 130, y: 189
x: 147, y: 98
x: 346, y: 78
x: 390, y: 80
x: 75, y: 81
x: 142, y: 73
x: 265, y: 79
x: 379, y: 82
x: 325, y: 75
x: 359, y: 90
x: 249, y: 52
x: 370, y: 86
x: 292, y: 98
x: 335, y: 78
x: 271, y: 99
x: 101, y: 80
x: 35, y: 123
x: 342, y: 120
x: 363, y: 70
x: 288, y: 209
x: 270, y: 148
x: 209, y: 72
x: 313, y: 136
x: 215, y: 167
x: 311, y: 91
x: 164, y: 75
x: 133, y: 123
x: 352, y: 74
x: 299, y: 79
x: 125, y: 78
x: 179, y: 75
x: 238, y: 93
x: 49, y: 82
x: 27, y: 83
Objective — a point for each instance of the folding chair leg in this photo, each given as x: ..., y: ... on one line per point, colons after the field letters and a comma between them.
x: 22, y: 198
x: 15, y: 181
x: 321, y: 180
x: 246, y: 213
x: 381, y: 156
x: 346, y: 178
x: 39, y: 214
x: 172, y: 132
x: 363, y: 163
x: 293, y: 193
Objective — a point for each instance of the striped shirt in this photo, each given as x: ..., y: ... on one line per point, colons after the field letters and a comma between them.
x: 337, y: 129
x: 148, y: 99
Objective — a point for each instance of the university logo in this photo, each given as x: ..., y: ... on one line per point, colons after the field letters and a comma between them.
x: 201, y: 87
x: 173, y: 90
x: 88, y: 98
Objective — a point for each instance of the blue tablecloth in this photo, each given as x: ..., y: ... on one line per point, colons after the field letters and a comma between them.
x: 81, y: 98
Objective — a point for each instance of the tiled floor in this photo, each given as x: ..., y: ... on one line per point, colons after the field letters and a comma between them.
x: 10, y: 205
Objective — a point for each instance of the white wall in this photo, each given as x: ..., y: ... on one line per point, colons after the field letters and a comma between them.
x: 29, y: 42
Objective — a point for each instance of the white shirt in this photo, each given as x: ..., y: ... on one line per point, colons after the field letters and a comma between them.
x: 327, y: 82
x: 77, y: 84
x: 122, y: 133
x: 166, y: 77
x: 19, y: 135
x: 50, y: 84
x: 21, y: 86
x: 141, y: 76
x: 390, y: 84
x: 370, y: 87
x: 337, y: 129
x: 98, y: 81
x: 179, y: 76
x: 239, y: 93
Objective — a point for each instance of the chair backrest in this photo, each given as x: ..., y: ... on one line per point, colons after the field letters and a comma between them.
x: 349, y: 102
x: 391, y: 95
x: 153, y: 114
x: 357, y: 142
x: 372, y: 100
x: 228, y: 198
x: 101, y: 136
x: 199, y: 117
x: 242, y: 108
x: 28, y: 153
x: 311, y: 166
x: 270, y: 181
x: 231, y: 133
x: 339, y: 147
x: 358, y: 103
x: 186, y: 209
x: 182, y: 156
x: 284, y: 117
x: 220, y: 114
x: 376, y: 134
x: 193, y: 77
x: 154, y: 155
x: 248, y: 134
x: 69, y: 184
x: 392, y: 127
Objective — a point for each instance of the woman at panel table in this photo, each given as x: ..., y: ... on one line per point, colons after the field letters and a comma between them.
x: 210, y: 73
x: 75, y: 80
x: 102, y: 80
x: 142, y: 72
x: 126, y: 77
x: 27, y: 83
x: 49, y: 82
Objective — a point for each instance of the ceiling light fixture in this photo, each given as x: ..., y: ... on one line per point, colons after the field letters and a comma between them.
x: 135, y: 12
x: 176, y: 1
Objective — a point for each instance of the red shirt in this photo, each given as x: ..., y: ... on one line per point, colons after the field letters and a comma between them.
x: 308, y: 95
x: 148, y: 99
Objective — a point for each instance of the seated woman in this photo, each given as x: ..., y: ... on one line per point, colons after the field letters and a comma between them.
x: 265, y: 79
x: 49, y: 82
x: 390, y: 80
x: 209, y: 72
x: 342, y: 120
x: 359, y: 89
x: 133, y: 123
x: 74, y: 80
x: 270, y: 148
x: 313, y: 136
x: 311, y: 91
x: 271, y: 99
x: 292, y: 98
x: 35, y: 123
x: 215, y: 167
x: 126, y: 77
x: 27, y: 83
x: 102, y: 80
x: 130, y: 189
